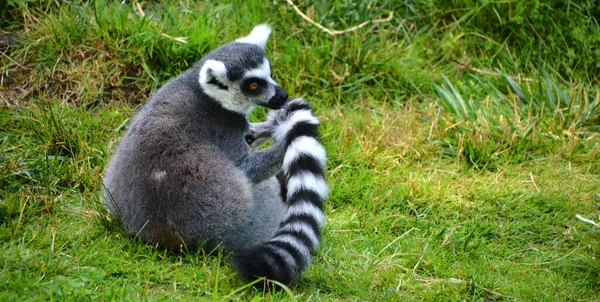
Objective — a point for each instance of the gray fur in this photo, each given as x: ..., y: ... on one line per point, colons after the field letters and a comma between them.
x: 183, y: 173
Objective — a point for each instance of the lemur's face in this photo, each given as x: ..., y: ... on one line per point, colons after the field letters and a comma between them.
x: 239, y: 75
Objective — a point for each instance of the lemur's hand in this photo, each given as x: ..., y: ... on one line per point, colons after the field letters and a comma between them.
x: 259, y: 133
x: 297, y: 112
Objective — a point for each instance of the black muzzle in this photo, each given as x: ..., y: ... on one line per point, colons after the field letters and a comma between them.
x: 277, y: 101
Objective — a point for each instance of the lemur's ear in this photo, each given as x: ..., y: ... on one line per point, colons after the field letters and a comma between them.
x: 259, y: 36
x: 213, y: 73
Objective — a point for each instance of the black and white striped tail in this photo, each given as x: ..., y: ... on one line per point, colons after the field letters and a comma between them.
x: 291, y: 249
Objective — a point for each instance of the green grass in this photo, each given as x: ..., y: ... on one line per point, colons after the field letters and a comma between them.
x: 463, y: 138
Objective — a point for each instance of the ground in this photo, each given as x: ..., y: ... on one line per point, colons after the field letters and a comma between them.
x: 462, y: 137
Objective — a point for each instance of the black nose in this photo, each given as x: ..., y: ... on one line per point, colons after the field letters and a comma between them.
x: 280, y: 97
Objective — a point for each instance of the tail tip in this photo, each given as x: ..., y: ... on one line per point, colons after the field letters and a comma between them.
x: 255, y: 263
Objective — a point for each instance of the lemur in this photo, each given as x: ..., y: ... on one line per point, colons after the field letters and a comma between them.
x: 185, y: 175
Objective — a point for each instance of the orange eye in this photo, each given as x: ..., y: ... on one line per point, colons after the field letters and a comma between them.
x: 253, y: 85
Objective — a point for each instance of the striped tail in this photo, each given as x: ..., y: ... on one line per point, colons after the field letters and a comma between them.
x: 291, y: 249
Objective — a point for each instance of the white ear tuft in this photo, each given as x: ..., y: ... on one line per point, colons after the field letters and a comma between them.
x: 258, y: 36
x: 212, y: 69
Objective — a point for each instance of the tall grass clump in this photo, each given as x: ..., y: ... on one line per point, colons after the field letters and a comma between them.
x: 511, y: 100
x: 514, y: 122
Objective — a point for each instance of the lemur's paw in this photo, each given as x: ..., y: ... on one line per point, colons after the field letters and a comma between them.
x: 298, y: 113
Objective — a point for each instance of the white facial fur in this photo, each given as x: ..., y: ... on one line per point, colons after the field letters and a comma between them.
x: 259, y: 36
x: 232, y: 98
x: 228, y: 98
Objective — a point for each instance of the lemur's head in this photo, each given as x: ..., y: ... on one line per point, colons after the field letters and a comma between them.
x: 238, y: 74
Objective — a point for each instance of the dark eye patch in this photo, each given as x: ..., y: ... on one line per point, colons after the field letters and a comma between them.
x: 253, y: 86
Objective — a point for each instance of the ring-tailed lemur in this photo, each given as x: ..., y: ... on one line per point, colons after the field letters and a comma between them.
x: 184, y: 175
